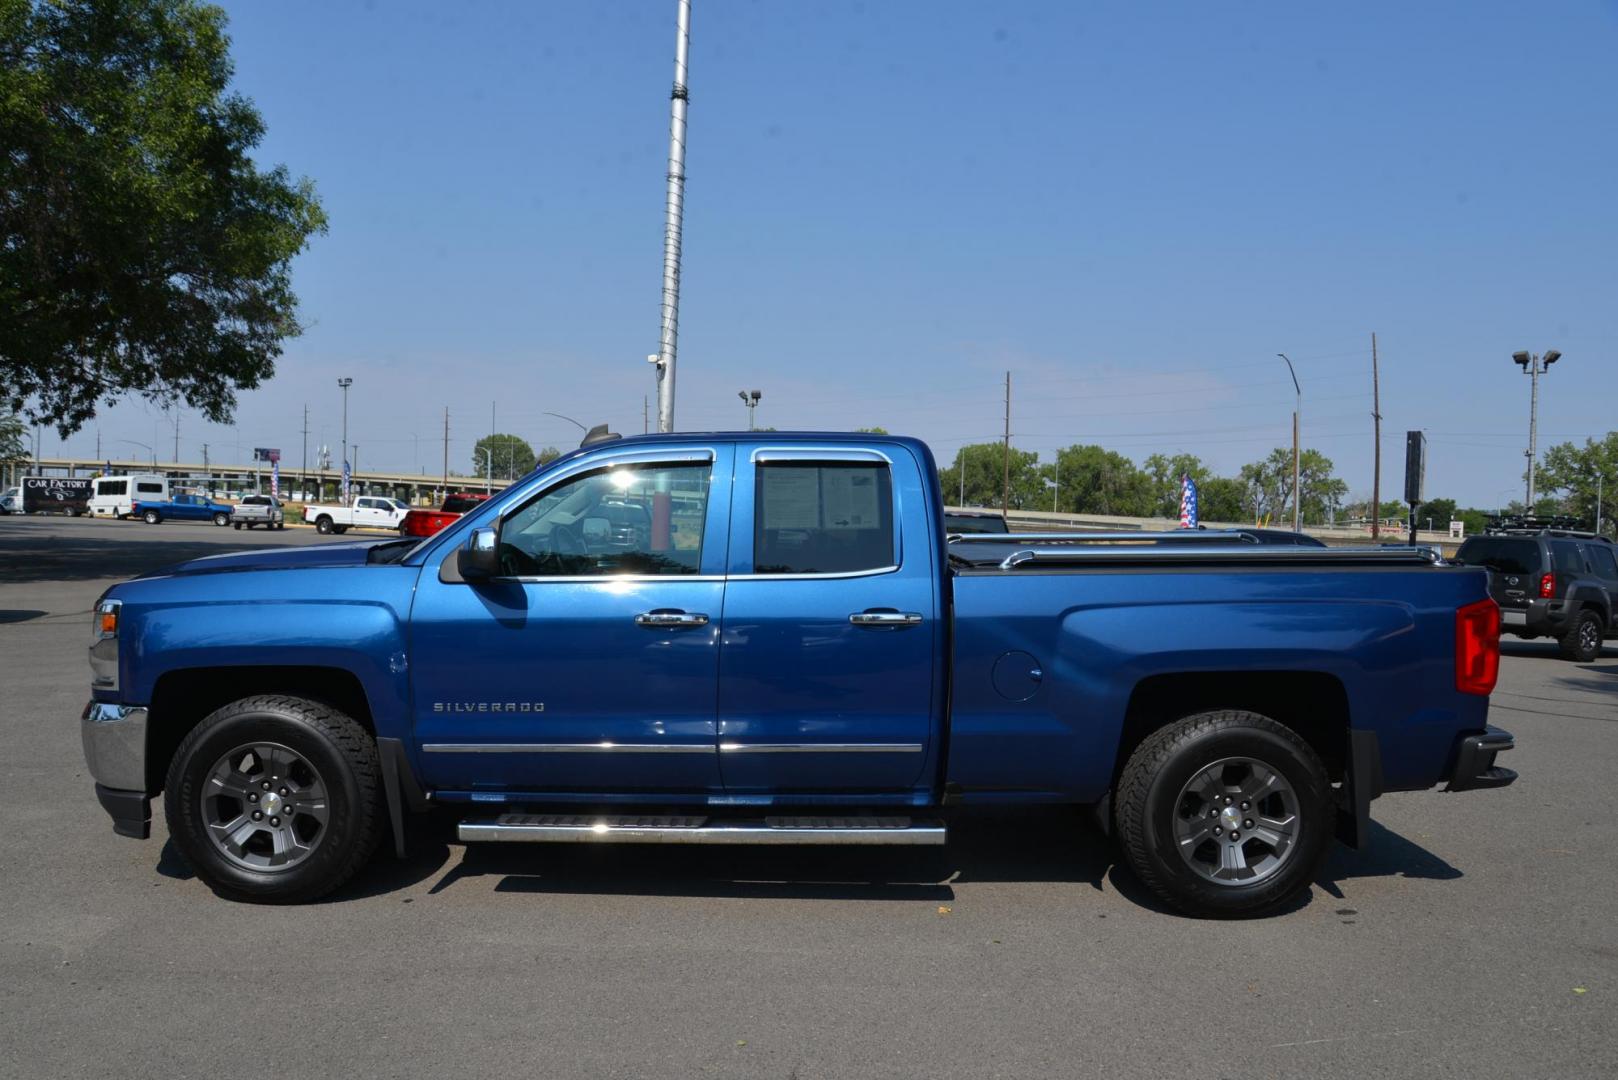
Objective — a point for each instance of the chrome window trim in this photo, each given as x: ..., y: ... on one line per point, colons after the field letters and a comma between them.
x: 611, y: 579
x: 765, y: 455
x: 567, y: 748
x: 814, y: 577
x: 820, y: 748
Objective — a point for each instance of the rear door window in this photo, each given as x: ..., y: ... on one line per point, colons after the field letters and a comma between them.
x: 1567, y: 558
x: 1601, y: 558
x: 1501, y: 554
x: 823, y: 518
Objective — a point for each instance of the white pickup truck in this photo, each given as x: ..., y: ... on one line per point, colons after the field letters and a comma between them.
x: 368, y: 512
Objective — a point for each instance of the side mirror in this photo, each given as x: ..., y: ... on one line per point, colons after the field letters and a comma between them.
x: 480, y: 558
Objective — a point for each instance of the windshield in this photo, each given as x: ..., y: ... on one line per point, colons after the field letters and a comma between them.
x: 1508, y: 556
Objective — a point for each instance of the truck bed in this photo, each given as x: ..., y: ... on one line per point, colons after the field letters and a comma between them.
x: 1041, y: 706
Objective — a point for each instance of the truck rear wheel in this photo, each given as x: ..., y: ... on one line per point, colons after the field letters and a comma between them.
x: 323, y: 525
x: 1582, y: 642
x: 275, y: 799
x: 1225, y: 813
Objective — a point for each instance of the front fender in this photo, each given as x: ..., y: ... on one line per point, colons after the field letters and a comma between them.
x: 352, y: 619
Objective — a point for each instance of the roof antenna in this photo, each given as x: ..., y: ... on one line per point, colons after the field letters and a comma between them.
x: 598, y: 434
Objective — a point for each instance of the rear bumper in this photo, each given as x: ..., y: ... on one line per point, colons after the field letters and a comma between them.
x: 1541, y: 618
x: 1474, y: 761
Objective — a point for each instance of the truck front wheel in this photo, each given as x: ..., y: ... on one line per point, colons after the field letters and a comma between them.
x: 1225, y: 813
x: 275, y: 799
x: 221, y: 519
x: 151, y: 517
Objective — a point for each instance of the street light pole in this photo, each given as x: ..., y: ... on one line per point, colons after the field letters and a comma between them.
x: 750, y: 399
x: 1534, y: 366
x: 344, y: 384
x: 1297, y: 410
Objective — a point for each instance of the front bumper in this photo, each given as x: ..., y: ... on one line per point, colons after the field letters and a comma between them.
x: 115, y: 750
x: 1474, y: 761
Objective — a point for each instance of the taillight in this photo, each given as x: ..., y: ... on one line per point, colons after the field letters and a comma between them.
x: 1477, y: 647
x: 1547, y: 586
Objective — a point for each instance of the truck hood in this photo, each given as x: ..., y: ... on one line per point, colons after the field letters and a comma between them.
x: 279, y: 558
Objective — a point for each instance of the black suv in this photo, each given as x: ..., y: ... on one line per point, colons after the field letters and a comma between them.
x: 1551, y: 582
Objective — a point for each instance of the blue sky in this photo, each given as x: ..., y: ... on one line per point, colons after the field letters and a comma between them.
x: 1133, y: 207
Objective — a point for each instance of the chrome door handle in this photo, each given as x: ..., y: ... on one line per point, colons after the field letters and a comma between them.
x: 671, y: 618
x: 885, y: 618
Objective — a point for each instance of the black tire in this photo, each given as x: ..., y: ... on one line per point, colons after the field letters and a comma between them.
x: 343, y: 755
x: 237, y: 526
x: 339, y: 529
x: 323, y: 525
x: 1148, y: 808
x: 221, y: 519
x: 1582, y: 641
x: 151, y: 517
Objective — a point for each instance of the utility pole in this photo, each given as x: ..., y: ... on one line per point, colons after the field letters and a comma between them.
x: 446, y: 450
x: 207, y: 471
x: 1376, y: 474
x: 1005, y: 457
x: 750, y: 399
x: 1297, y: 408
x: 674, y: 212
x: 303, y: 481
x: 176, y: 434
x: 645, y: 414
x: 1534, y: 366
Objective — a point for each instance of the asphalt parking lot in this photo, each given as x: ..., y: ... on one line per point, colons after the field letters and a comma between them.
x: 1476, y: 937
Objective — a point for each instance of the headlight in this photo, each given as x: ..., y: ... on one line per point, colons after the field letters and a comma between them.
x: 104, y: 645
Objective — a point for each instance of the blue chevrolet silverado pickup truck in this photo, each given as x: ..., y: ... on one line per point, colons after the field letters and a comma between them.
x: 770, y: 638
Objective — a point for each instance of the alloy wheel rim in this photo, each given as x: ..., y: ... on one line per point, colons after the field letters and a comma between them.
x: 1236, y: 822
x: 1589, y: 638
x: 264, y: 807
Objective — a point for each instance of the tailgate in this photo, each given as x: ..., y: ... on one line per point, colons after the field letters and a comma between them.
x: 1514, y: 565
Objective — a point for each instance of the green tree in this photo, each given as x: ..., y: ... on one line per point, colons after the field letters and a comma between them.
x: 548, y: 455
x: 871, y: 431
x: 1094, y: 480
x: 1270, y: 482
x: 13, y: 440
x: 1574, y: 471
x: 505, y: 456
x: 1442, y: 511
x: 142, y: 250
x: 1221, y: 499
x: 1164, y: 474
x: 983, y: 465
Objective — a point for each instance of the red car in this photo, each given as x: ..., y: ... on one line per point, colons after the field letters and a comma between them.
x: 427, y: 522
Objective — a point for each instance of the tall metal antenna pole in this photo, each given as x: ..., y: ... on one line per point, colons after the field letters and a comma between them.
x: 1376, y: 475
x: 1005, y: 479
x: 668, y: 343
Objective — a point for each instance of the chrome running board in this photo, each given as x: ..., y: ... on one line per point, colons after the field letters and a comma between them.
x: 696, y: 829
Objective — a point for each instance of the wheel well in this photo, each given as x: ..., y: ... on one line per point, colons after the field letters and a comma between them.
x: 182, y: 699
x: 1312, y: 703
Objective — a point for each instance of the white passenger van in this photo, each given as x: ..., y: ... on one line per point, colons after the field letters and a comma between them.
x: 116, y: 496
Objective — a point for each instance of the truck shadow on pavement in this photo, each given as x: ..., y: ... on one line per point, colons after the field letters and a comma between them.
x: 1040, y: 845
x: 28, y: 558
